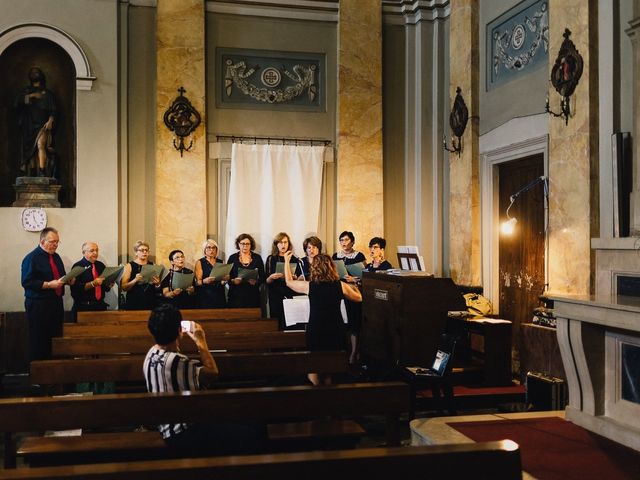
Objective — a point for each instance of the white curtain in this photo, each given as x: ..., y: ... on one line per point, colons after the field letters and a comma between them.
x: 274, y: 188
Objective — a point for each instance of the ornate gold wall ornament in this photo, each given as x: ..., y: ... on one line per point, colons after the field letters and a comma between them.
x: 565, y: 75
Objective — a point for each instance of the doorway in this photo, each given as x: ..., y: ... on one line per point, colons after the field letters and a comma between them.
x: 521, y: 264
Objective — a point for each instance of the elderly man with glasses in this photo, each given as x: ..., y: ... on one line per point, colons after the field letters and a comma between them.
x: 42, y: 270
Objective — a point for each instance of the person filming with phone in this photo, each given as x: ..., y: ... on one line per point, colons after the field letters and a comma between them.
x: 168, y: 370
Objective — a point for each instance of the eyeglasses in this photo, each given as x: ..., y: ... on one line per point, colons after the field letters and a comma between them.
x: 142, y: 250
x: 210, y: 247
x: 245, y: 244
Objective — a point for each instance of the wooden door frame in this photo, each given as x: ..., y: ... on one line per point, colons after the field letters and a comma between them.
x: 489, y: 201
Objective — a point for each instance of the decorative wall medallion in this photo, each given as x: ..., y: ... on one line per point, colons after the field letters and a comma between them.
x: 514, y: 41
x: 265, y: 79
x: 271, y: 77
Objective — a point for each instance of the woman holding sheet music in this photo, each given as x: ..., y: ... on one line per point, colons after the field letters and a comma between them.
x: 209, y: 289
x: 278, y: 289
x: 180, y: 297
x: 246, y: 275
x: 325, y: 291
x: 351, y: 256
x: 141, y: 295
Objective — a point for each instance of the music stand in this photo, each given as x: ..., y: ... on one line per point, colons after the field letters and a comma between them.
x: 409, y: 261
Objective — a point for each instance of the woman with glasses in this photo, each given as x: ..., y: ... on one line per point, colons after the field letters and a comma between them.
x: 278, y: 289
x: 246, y: 275
x: 140, y: 296
x: 378, y: 262
x: 350, y: 256
x: 180, y: 297
x: 209, y: 290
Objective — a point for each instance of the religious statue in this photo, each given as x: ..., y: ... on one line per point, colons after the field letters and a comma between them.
x: 36, y: 112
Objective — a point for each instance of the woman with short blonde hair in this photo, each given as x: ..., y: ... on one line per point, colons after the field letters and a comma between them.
x: 210, y: 291
x: 140, y: 296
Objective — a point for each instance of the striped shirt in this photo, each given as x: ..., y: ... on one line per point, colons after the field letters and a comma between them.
x: 166, y: 371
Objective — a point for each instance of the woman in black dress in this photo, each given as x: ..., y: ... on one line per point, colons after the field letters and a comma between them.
x: 209, y: 291
x: 180, y: 298
x: 278, y: 290
x: 325, y: 291
x: 140, y: 296
x: 245, y: 293
x: 350, y: 256
x: 378, y: 262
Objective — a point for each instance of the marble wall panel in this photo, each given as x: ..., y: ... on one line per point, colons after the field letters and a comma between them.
x: 571, y: 157
x: 180, y: 181
x: 464, y: 187
x: 359, y: 159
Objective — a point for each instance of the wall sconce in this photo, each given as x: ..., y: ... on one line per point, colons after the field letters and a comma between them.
x: 509, y: 225
x: 458, y: 122
x: 182, y: 119
x: 565, y: 75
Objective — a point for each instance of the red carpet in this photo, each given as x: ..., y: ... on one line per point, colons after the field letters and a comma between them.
x: 553, y: 448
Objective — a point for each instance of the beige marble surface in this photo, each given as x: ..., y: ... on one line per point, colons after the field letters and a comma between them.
x: 180, y: 189
x: 572, y: 158
x: 464, y: 187
x: 359, y: 149
x: 436, y: 431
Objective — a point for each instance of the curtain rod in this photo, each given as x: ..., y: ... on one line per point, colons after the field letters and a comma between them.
x: 269, y: 140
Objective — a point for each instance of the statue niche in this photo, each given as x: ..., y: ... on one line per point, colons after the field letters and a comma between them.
x: 37, y: 162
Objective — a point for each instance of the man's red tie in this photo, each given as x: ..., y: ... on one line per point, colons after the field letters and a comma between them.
x: 56, y: 273
x: 98, y: 288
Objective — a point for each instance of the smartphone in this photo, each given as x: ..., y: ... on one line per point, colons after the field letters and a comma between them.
x: 187, y: 325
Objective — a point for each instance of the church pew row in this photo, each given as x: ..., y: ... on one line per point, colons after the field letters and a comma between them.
x: 111, y: 345
x: 211, y: 327
x: 187, y: 314
x: 128, y: 368
x: 247, y: 404
x: 499, y: 460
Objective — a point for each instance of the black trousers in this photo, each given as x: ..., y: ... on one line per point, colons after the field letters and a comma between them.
x: 45, y: 317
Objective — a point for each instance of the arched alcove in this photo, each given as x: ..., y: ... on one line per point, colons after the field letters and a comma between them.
x: 67, y: 70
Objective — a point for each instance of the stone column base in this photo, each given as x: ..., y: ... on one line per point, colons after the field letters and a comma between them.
x: 36, y: 192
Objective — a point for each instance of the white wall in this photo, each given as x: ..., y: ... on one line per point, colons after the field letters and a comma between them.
x: 94, y: 26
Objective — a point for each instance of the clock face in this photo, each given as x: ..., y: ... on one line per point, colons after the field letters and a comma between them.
x: 34, y: 219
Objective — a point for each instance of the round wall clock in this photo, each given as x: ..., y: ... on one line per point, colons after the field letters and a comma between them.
x: 34, y: 219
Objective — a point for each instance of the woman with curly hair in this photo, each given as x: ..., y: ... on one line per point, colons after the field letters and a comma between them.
x: 325, y: 291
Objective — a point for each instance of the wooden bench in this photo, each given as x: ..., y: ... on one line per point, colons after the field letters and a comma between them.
x: 211, y: 327
x: 261, y: 341
x: 128, y: 368
x: 498, y: 460
x: 247, y: 404
x: 188, y: 314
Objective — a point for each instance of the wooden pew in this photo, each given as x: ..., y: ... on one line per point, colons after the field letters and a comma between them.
x: 128, y: 368
x: 246, y: 404
x: 262, y: 341
x: 211, y: 327
x: 498, y: 460
x: 187, y: 314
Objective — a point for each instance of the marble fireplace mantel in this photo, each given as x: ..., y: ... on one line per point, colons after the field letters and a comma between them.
x: 591, y: 330
x: 615, y: 257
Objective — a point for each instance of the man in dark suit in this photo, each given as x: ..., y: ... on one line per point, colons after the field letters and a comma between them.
x: 89, y: 289
x: 41, y: 271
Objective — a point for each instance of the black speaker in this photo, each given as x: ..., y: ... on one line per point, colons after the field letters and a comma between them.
x: 622, y: 182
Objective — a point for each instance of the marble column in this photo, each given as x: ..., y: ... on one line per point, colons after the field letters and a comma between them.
x: 180, y: 188
x: 464, y: 187
x: 573, y: 152
x: 634, y: 34
x: 359, y: 158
